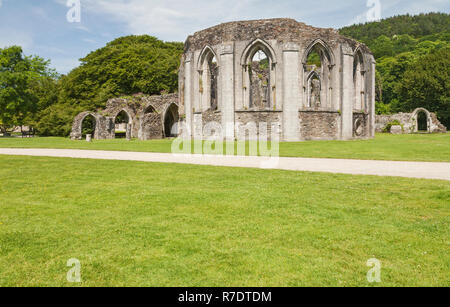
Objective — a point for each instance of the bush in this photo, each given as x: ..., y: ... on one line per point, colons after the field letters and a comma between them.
x: 388, y: 127
x: 56, y: 120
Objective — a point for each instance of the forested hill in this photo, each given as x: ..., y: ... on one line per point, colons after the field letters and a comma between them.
x: 417, y: 26
x: 413, y: 60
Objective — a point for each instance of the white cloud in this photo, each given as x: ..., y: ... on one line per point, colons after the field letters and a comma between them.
x: 175, y: 19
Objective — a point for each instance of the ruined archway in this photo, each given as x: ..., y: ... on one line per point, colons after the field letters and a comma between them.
x: 85, y: 123
x: 359, y: 82
x: 318, y: 62
x: 171, y: 119
x: 259, y: 71
x: 88, y: 126
x: 421, y: 119
x: 208, y: 79
x: 422, y: 122
x: 122, y: 125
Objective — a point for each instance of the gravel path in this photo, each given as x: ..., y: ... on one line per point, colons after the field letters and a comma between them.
x: 425, y: 170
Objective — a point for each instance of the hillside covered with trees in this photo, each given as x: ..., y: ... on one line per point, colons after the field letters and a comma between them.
x: 413, y: 60
x: 412, y: 53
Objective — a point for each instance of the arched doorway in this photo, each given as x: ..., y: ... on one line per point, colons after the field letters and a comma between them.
x: 88, y: 126
x: 122, y: 125
x: 422, y: 122
x: 171, y: 119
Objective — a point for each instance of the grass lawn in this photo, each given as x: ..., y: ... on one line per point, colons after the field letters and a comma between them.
x: 145, y: 224
x: 416, y: 147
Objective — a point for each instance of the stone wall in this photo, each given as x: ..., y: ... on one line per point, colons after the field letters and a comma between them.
x: 319, y: 125
x: 280, y: 86
x: 251, y: 120
x: 409, y: 122
x: 103, y: 126
x: 151, y: 127
x: 146, y: 116
x: 283, y: 85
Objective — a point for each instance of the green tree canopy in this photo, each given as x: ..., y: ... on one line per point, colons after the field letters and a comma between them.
x: 127, y: 65
x: 427, y: 84
x: 20, y: 77
x: 400, y: 45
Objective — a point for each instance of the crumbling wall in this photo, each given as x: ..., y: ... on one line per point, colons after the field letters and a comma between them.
x: 409, y: 122
x: 319, y: 125
x: 244, y: 85
x: 146, y: 117
x: 252, y: 120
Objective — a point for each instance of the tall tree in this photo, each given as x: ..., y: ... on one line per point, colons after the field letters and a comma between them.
x: 18, y: 75
x: 427, y: 84
x: 125, y: 66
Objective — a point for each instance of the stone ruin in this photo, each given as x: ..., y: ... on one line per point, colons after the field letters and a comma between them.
x: 421, y: 120
x: 241, y: 73
x: 307, y: 83
x: 143, y: 117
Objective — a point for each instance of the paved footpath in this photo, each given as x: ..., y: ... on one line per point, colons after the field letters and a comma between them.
x: 425, y: 170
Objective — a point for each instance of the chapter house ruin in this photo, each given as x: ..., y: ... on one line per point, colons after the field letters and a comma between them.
x: 307, y: 83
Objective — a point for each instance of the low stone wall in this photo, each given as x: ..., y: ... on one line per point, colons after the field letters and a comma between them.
x: 319, y: 125
x: 383, y: 120
x: 409, y: 122
x: 249, y: 123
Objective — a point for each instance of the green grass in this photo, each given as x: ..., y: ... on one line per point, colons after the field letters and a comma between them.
x: 146, y: 224
x: 416, y: 147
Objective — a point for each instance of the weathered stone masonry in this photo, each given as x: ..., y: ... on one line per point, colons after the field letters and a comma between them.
x: 243, y: 74
x: 409, y: 122
x: 148, y: 117
x: 335, y: 101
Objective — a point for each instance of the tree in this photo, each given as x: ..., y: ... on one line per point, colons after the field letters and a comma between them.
x: 19, y: 74
x: 125, y: 66
x: 426, y: 84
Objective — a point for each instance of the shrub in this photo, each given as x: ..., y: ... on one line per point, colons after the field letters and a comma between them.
x: 388, y: 127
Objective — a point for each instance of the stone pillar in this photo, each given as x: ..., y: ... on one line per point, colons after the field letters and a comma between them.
x: 291, y: 89
x: 227, y: 89
x: 347, y: 95
x: 372, y: 96
x: 188, y: 95
x: 128, y: 132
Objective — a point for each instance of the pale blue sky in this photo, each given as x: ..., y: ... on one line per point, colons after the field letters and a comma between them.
x: 41, y: 27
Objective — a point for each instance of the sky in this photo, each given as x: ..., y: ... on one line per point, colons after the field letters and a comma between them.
x: 52, y: 30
